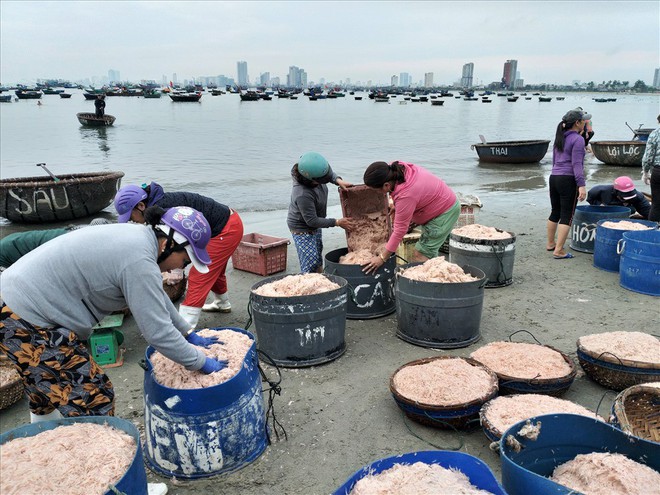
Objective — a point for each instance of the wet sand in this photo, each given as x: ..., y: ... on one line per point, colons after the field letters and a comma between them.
x: 340, y: 416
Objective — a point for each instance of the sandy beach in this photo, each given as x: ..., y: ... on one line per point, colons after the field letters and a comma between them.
x: 340, y: 416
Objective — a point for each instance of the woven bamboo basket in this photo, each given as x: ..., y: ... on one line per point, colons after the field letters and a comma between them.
x: 636, y: 411
x: 453, y: 416
x: 555, y: 387
x: 174, y: 292
x: 12, y: 391
x: 615, y: 373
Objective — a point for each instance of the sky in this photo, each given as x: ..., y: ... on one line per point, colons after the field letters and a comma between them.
x: 553, y: 42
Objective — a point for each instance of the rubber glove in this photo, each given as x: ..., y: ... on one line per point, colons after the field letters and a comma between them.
x: 646, y: 177
x: 212, y: 365
x: 200, y: 341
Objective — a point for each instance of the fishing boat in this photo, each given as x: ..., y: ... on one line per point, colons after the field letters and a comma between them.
x: 28, y: 94
x: 152, y: 94
x: 59, y: 199
x: 250, y: 96
x: 545, y: 98
x: 183, y: 96
x: 512, y: 98
x: 358, y: 98
x: 639, y: 133
x: 51, y: 91
x: 382, y: 99
x: 5, y: 98
x: 90, y: 119
x: 437, y: 103
x: 621, y: 153
x: 530, y: 151
x: 486, y: 100
x: 65, y: 95
x: 561, y: 98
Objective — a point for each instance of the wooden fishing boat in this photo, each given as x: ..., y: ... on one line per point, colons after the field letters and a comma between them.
x: 90, y: 119
x: 152, y: 94
x: 65, y: 95
x: 5, y: 98
x: 182, y: 97
x: 250, y: 96
x: 28, y: 94
x: 545, y: 98
x: 512, y: 98
x: 51, y: 91
x: 437, y: 103
x: 621, y: 153
x: 44, y: 199
x: 531, y: 151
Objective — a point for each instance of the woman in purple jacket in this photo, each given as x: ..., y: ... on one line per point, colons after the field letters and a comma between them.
x: 567, y: 184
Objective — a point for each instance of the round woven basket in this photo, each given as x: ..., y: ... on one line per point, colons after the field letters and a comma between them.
x: 615, y: 373
x: 12, y: 391
x: 636, y: 411
x: 453, y: 416
x: 174, y: 292
x: 549, y: 386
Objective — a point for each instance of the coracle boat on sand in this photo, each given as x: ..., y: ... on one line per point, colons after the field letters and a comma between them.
x: 512, y: 151
x: 622, y: 153
x: 43, y: 199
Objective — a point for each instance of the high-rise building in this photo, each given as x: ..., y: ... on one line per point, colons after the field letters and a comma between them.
x: 466, y: 77
x: 296, y: 78
x: 428, y: 80
x: 394, y: 81
x: 241, y: 67
x: 113, y: 76
x: 656, y: 78
x: 509, y: 73
x: 264, y: 79
x: 405, y: 80
x: 174, y: 79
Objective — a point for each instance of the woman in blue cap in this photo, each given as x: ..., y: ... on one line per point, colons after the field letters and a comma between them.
x: 49, y: 308
x: 308, y: 208
x: 226, y: 234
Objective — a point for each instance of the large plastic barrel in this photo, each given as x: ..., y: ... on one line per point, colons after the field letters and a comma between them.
x: 585, y: 219
x: 494, y: 257
x: 134, y: 481
x: 301, y: 331
x: 640, y: 261
x: 605, y: 254
x: 439, y: 315
x: 195, y: 433
x: 372, y: 296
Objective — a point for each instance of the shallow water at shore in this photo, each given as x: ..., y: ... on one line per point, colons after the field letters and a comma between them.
x: 240, y: 153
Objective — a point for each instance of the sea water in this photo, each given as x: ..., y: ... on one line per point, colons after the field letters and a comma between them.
x: 241, y: 153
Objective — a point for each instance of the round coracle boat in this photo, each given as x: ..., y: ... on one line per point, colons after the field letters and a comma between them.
x: 90, y: 119
x: 623, y: 153
x: 44, y: 199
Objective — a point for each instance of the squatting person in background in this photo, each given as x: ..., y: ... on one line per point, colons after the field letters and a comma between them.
x: 226, y: 234
x: 567, y: 183
x: 620, y: 193
x: 308, y: 208
x: 419, y: 197
x: 55, y: 294
x: 651, y: 171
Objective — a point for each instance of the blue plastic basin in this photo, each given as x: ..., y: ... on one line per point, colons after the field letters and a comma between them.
x: 474, y: 468
x: 562, y: 438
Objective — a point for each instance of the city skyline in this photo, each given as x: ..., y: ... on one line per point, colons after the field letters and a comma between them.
x: 332, y: 41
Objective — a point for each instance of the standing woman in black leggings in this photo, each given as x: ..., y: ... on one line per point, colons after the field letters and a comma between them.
x: 567, y: 183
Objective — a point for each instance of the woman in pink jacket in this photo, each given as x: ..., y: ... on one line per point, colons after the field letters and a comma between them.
x: 419, y: 197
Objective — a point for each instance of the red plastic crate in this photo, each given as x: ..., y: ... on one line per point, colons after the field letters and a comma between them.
x: 261, y: 254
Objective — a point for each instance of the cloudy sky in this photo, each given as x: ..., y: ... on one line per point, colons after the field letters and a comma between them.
x: 553, y: 41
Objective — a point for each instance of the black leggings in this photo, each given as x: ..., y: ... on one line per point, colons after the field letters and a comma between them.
x: 563, y: 198
x: 654, y: 214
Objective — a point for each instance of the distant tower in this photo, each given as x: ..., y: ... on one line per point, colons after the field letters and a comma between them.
x: 405, y: 80
x: 509, y: 73
x: 242, y: 73
x: 394, y: 81
x: 428, y: 80
x: 466, y: 78
x: 656, y: 78
x: 113, y: 76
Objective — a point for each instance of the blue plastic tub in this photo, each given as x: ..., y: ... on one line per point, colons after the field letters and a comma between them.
x: 474, y: 468
x: 562, y: 438
x: 196, y: 433
x: 640, y: 261
x: 606, y: 256
x: 134, y: 480
x: 585, y: 219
